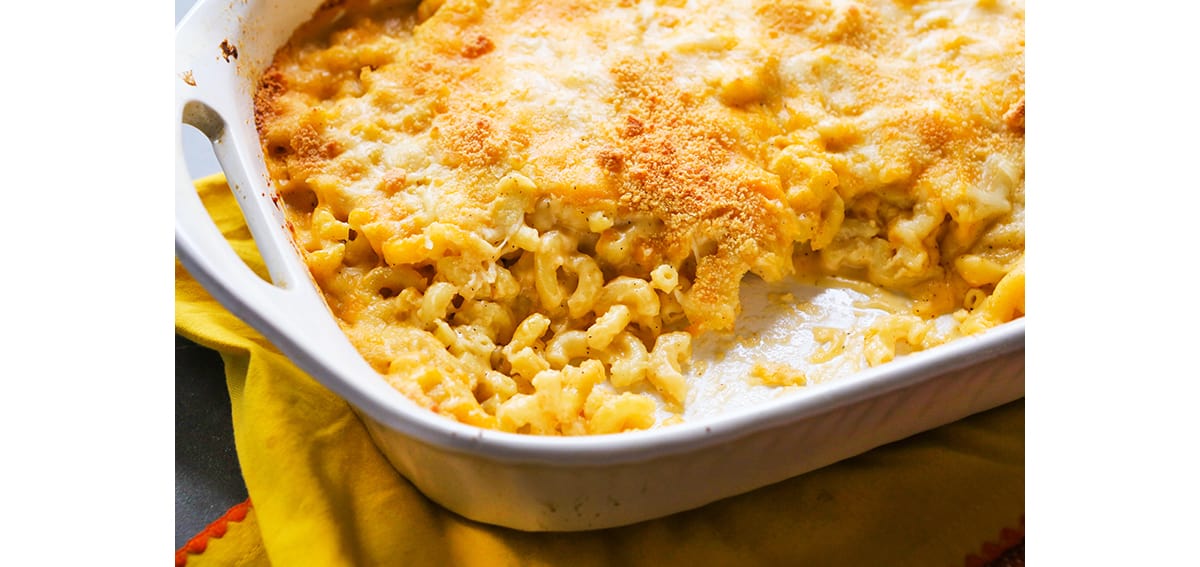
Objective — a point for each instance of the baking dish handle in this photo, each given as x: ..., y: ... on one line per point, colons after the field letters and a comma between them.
x: 206, y: 254
x: 289, y: 310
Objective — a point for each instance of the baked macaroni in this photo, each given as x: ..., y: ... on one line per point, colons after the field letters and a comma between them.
x: 521, y: 213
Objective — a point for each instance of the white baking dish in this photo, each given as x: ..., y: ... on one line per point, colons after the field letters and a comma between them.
x: 731, y: 446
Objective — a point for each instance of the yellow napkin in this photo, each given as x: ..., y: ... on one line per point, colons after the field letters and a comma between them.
x: 323, y: 495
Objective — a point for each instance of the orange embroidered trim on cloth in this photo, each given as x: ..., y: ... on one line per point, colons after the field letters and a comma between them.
x: 992, y: 550
x: 217, y: 529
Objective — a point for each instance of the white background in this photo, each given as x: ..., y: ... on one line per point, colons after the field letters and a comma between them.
x: 85, y: 199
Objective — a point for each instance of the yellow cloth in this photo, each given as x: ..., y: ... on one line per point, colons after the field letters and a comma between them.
x: 323, y: 495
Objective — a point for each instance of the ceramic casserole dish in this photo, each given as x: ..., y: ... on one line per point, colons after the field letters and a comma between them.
x: 731, y: 446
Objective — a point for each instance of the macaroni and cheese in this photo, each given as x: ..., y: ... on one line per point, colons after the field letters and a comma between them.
x: 522, y: 213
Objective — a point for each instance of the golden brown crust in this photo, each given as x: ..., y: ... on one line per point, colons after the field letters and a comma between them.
x: 1015, y: 118
x: 684, y: 168
x: 792, y: 16
x: 270, y: 86
x: 311, y: 149
x: 469, y: 139
x: 479, y: 45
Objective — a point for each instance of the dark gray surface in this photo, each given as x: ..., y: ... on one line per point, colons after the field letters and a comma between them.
x: 208, y: 478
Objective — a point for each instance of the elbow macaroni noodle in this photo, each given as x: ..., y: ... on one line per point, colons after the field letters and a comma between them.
x: 522, y: 213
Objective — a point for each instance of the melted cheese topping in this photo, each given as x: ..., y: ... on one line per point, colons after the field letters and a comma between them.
x: 874, y: 140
